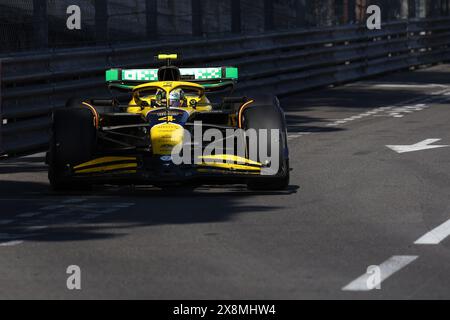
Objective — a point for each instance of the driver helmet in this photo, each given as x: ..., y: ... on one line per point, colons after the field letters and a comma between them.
x: 176, y: 98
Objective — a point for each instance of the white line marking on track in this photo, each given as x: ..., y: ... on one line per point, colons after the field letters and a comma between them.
x: 423, y: 145
x: 3, y: 222
x: 399, y: 110
x: 437, y: 235
x: 387, y: 269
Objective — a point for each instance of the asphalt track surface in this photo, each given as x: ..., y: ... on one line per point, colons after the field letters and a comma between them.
x: 353, y: 203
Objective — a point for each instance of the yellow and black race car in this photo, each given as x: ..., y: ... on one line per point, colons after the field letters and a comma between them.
x: 174, y: 128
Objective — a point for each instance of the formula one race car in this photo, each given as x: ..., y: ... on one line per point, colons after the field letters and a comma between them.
x: 157, y: 135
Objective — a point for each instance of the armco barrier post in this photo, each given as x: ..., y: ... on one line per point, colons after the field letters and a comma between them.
x: 101, y: 20
x: 40, y: 22
x: 236, y: 21
x: 151, y: 14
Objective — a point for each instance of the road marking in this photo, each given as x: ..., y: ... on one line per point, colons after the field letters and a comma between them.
x: 423, y: 145
x: 387, y: 269
x: 437, y: 235
x: 399, y: 110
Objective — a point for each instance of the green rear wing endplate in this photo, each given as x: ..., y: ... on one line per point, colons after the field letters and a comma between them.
x: 136, y: 76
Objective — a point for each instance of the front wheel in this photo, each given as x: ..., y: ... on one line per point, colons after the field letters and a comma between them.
x: 265, y: 114
x: 72, y: 142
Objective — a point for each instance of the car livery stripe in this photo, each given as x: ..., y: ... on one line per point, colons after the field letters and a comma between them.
x: 108, y: 168
x: 230, y: 159
x: 105, y: 160
x: 224, y: 172
x: 229, y: 166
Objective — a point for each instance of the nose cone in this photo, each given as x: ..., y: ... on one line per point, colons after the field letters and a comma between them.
x: 165, y: 137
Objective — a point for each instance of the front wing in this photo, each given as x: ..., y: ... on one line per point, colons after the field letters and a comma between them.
x: 140, y: 169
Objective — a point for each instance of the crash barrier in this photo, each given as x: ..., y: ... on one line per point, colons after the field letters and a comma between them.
x: 282, y: 63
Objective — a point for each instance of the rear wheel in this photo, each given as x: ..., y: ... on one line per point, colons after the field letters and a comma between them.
x: 72, y: 142
x: 265, y: 113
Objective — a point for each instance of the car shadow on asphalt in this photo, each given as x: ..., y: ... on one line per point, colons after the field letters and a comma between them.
x: 305, y: 124
x: 23, y: 165
x: 32, y: 213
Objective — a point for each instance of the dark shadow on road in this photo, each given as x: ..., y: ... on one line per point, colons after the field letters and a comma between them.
x: 376, y: 92
x: 22, y: 165
x: 436, y: 75
x: 64, y: 216
x: 304, y: 124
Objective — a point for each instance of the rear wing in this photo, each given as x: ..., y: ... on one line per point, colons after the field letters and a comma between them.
x: 204, y: 76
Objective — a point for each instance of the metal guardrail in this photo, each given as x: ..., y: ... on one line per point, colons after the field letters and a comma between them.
x: 283, y: 63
